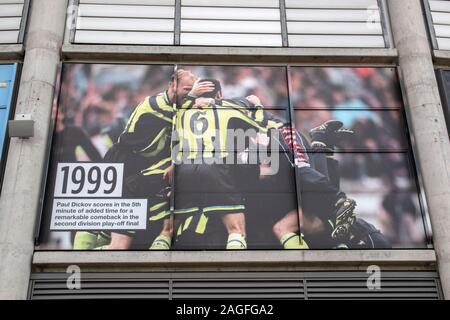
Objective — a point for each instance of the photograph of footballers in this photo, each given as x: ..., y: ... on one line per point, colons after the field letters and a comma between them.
x: 118, y: 114
x: 371, y: 160
x: 211, y: 157
x: 338, y: 128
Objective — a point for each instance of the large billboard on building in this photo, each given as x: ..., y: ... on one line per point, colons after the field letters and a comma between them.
x: 195, y: 157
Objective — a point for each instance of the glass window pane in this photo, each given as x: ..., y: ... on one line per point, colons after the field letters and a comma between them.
x: 385, y: 190
x: 248, y: 195
x: 371, y: 130
x: 380, y: 185
x: 110, y: 151
x: 268, y: 84
x: 345, y: 88
x: 369, y: 165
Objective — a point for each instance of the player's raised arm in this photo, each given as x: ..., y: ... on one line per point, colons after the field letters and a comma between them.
x: 199, y: 89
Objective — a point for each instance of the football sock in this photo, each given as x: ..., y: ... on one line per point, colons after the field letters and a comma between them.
x: 85, y: 240
x: 236, y: 241
x: 161, y: 243
x: 292, y: 241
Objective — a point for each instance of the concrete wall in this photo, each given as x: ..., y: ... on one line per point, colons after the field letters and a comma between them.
x: 25, y: 165
x: 20, y: 197
x: 426, y: 121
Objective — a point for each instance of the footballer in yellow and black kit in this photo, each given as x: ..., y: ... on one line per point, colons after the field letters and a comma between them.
x: 206, y: 190
x: 144, y: 149
x: 207, y: 174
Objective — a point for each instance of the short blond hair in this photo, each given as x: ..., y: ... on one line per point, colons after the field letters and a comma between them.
x: 181, y: 73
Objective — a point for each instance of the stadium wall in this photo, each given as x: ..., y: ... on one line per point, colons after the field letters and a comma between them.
x: 47, y: 43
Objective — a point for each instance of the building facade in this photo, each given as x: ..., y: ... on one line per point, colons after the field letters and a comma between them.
x: 93, y: 95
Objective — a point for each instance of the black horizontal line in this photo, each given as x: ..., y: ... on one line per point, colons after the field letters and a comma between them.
x: 310, y: 150
x: 131, y: 44
x: 233, y: 19
x: 333, y: 9
x: 269, y: 108
x: 335, y: 34
x: 230, y: 32
x: 442, y: 24
x: 230, y: 7
x: 404, y: 151
x: 439, y: 11
x: 336, y: 46
x: 124, y: 17
x: 335, y: 21
x: 278, y: 8
x: 350, y: 109
x: 219, y: 20
x: 93, y: 198
x: 128, y: 5
x: 238, y: 32
x: 114, y: 30
x: 172, y: 19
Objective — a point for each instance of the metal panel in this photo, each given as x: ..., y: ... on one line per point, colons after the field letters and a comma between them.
x: 444, y: 43
x: 232, y: 3
x: 121, y: 37
x: 110, y: 288
x: 230, y: 26
x: 132, y: 2
x: 328, y: 15
x: 333, y: 28
x: 337, y: 41
x: 177, y: 22
x: 429, y: 23
x: 9, y: 36
x: 354, y: 288
x: 229, y: 13
x: 11, y: 10
x: 439, y: 5
x: 10, y: 23
x: 142, y: 22
x: 222, y: 39
x: 237, y: 285
x: 124, y: 24
x: 11, y: 20
x: 386, y: 24
x: 283, y: 20
x: 442, y: 30
x: 328, y: 4
x: 238, y: 289
x: 441, y: 17
x: 231, y: 23
x: 438, y: 15
x: 337, y: 24
x: 216, y: 20
x: 124, y: 11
